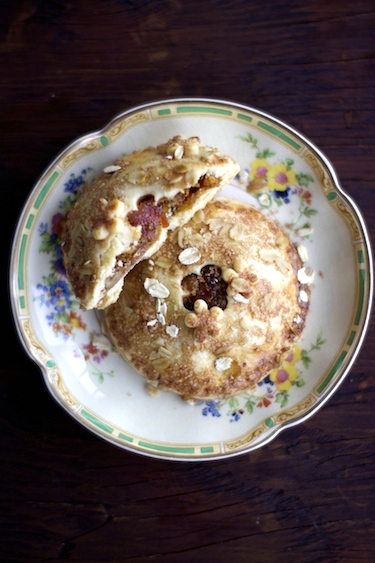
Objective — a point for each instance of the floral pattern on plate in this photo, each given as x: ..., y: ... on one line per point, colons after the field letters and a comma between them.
x: 274, y: 183
x: 54, y: 292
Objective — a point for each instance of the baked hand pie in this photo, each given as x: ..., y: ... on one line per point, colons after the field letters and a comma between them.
x: 216, y: 308
x: 124, y: 216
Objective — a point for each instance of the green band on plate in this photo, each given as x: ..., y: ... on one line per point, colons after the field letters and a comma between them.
x: 199, y: 109
x: 361, y: 297
x: 333, y: 371
x: 21, y: 263
x: 171, y: 449
x: 279, y: 134
x: 99, y: 423
x: 45, y: 189
x: 244, y: 117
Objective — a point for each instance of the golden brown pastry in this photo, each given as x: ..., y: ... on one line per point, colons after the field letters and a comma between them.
x: 125, y: 214
x: 216, y: 308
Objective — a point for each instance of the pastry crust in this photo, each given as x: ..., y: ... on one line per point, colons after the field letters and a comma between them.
x: 125, y: 214
x: 218, y: 306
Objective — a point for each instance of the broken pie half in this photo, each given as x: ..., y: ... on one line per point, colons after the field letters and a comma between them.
x: 124, y: 216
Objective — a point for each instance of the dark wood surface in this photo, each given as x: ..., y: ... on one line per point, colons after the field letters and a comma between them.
x: 67, y: 68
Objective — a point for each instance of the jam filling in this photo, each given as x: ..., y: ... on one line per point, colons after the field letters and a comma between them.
x: 207, y: 285
x: 149, y: 215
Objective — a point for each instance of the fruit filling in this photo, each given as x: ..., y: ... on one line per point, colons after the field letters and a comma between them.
x: 207, y: 285
x: 149, y: 215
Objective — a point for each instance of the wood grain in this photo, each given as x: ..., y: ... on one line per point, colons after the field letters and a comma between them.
x: 66, y: 69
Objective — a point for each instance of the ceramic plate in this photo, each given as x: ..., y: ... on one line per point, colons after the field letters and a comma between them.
x: 284, y: 175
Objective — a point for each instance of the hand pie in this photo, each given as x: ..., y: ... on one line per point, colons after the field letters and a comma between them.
x: 124, y: 216
x: 218, y: 306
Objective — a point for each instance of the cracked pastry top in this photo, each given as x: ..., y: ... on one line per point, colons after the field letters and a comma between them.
x: 216, y: 308
x: 125, y: 214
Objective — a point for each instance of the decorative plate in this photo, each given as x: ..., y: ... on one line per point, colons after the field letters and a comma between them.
x: 283, y: 174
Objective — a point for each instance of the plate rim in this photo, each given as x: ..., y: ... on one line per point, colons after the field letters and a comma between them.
x: 83, y: 140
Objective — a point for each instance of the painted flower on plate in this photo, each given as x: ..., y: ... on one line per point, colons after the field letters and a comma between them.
x: 211, y: 408
x: 284, y: 376
x: 259, y: 169
x: 75, y: 183
x: 280, y: 177
x: 94, y: 352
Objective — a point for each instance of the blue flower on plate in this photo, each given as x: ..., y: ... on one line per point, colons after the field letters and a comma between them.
x: 236, y: 415
x: 211, y: 408
x: 74, y: 183
x: 56, y: 295
x: 283, y: 195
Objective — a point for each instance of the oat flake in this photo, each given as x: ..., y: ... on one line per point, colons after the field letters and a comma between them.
x: 155, y: 288
x: 240, y: 298
x: 303, y: 296
x: 161, y: 318
x: 189, y: 256
x: 222, y: 364
x: 305, y: 277
x: 172, y: 330
x: 111, y: 169
x: 302, y: 252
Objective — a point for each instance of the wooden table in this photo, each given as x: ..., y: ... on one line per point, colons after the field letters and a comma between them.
x: 67, y: 68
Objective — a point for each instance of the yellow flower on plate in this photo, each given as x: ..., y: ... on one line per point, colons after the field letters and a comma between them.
x: 294, y: 355
x: 287, y: 373
x: 280, y: 177
x: 259, y: 169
